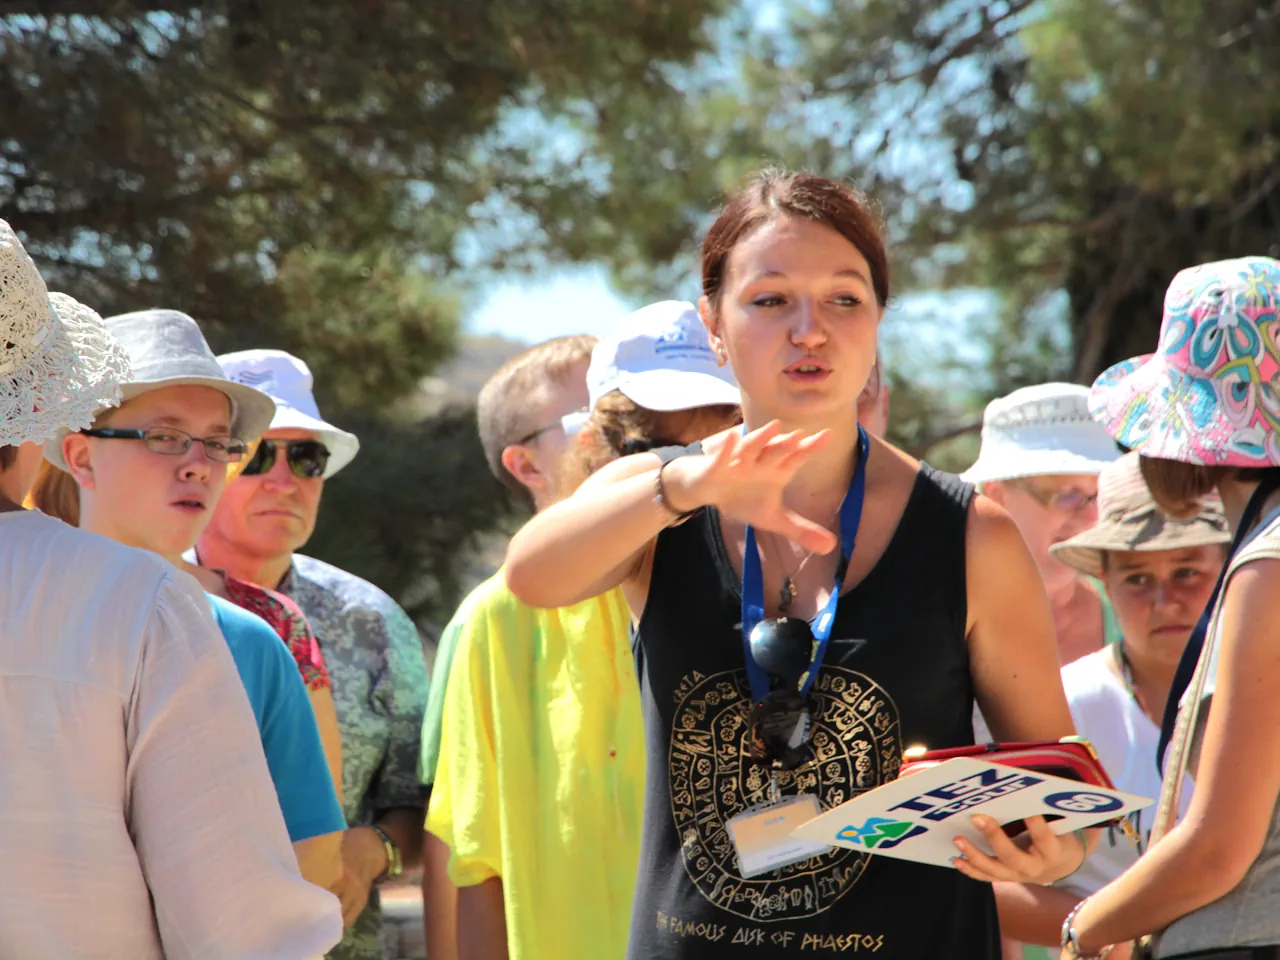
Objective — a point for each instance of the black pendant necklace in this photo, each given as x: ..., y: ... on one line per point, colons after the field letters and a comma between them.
x: 788, y: 594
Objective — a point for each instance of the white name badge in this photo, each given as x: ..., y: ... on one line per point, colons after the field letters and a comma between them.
x: 762, y: 835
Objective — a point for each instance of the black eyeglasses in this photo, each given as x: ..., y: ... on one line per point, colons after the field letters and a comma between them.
x: 174, y: 443
x: 782, y: 723
x: 306, y: 458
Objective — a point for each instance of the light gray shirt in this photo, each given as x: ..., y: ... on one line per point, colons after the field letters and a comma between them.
x: 137, y: 815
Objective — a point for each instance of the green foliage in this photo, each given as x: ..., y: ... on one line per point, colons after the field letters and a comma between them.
x: 1072, y: 155
x: 411, y: 509
x: 324, y: 177
x: 229, y: 157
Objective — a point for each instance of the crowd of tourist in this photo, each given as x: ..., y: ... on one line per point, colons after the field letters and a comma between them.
x: 215, y: 746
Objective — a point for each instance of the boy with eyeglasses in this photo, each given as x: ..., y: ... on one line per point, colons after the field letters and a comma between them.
x: 140, y: 818
x: 370, y: 646
x: 147, y: 474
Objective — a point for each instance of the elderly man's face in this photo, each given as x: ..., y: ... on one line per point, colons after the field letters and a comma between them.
x: 270, y: 514
x: 1048, y: 510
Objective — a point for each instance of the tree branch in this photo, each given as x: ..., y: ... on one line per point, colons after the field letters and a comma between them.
x: 965, y: 427
x: 1096, y: 323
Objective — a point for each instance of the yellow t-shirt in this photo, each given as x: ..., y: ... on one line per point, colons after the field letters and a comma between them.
x: 540, y: 779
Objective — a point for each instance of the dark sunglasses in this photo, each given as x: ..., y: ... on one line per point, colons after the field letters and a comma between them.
x: 782, y: 723
x: 306, y: 458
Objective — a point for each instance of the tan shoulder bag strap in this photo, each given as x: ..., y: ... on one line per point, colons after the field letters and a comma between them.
x: 1179, y: 756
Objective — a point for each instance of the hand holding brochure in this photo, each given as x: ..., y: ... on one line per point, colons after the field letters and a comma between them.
x: 917, y: 817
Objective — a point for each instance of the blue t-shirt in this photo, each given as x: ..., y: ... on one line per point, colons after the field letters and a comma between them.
x: 286, y: 723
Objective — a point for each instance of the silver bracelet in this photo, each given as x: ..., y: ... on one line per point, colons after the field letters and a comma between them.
x: 1071, y: 944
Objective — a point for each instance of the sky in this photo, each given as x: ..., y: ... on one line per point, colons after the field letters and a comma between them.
x: 581, y: 300
x: 567, y: 301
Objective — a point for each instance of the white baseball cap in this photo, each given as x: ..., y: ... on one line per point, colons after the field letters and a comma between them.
x: 661, y: 359
x: 1041, y: 431
x: 288, y: 381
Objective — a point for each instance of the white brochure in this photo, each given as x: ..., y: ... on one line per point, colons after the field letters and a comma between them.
x: 917, y: 817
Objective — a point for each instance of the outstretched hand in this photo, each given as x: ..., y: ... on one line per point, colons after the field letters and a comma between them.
x: 744, y: 478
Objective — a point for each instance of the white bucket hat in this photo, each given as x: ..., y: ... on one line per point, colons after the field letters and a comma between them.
x: 58, y: 363
x: 1041, y: 431
x: 288, y: 381
x: 661, y: 359
x: 167, y: 349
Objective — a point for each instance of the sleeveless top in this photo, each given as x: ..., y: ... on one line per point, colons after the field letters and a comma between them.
x: 1247, y: 915
x: 896, y: 674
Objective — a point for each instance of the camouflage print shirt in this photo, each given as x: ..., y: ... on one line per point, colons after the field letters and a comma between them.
x: 379, y: 678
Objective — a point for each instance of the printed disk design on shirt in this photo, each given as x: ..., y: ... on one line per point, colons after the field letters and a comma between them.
x: 857, y: 744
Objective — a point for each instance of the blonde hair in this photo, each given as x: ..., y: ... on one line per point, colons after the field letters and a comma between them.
x: 55, y: 491
x: 618, y: 426
x: 57, y: 494
x: 511, y: 400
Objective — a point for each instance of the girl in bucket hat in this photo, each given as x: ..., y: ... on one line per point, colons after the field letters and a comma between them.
x: 132, y: 773
x: 1203, y: 412
x: 1158, y: 573
x: 150, y: 473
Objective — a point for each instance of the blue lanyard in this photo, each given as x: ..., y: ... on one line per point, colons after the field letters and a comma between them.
x: 753, y: 582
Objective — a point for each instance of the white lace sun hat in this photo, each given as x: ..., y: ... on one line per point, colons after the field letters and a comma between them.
x: 58, y: 363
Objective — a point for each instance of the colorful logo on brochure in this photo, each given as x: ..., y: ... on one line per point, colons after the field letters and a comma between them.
x: 880, y: 834
x: 1082, y: 802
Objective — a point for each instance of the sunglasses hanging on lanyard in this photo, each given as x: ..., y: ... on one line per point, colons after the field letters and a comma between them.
x: 783, y: 654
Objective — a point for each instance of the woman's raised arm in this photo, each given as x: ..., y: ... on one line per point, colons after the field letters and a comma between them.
x: 596, y: 539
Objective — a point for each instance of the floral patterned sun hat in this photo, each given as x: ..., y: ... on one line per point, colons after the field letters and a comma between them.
x: 1210, y: 394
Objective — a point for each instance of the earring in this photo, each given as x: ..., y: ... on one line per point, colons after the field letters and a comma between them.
x: 721, y: 359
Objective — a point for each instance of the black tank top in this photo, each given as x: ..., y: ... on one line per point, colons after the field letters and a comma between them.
x: 896, y: 674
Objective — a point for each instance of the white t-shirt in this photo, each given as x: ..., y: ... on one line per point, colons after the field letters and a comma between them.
x: 1126, y: 742
x: 137, y: 814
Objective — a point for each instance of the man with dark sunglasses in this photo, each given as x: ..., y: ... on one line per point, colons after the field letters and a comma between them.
x: 371, y: 647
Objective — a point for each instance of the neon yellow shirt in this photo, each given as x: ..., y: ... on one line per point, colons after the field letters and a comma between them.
x: 540, y: 779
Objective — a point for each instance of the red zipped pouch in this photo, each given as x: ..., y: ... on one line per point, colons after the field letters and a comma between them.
x: 1072, y: 758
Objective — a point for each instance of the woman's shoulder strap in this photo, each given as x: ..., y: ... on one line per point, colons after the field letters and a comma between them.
x: 1265, y: 545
